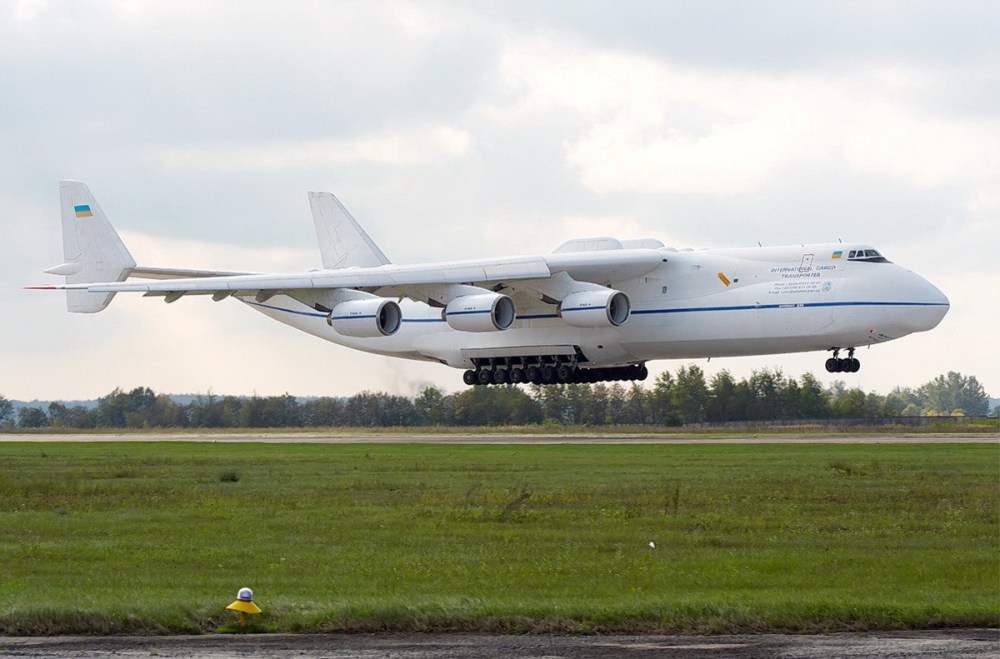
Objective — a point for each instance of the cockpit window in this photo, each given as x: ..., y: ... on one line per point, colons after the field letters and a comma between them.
x: 867, y: 255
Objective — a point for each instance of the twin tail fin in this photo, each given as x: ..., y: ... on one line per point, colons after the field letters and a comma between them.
x: 92, y: 249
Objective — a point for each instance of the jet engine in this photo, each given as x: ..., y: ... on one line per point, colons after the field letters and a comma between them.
x: 488, y: 312
x: 368, y: 318
x: 595, y: 309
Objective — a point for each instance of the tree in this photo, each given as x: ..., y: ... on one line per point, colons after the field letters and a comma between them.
x: 954, y: 391
x: 766, y: 400
x: 433, y: 408
x: 77, y: 416
x: 576, y: 398
x: 114, y: 409
x: 205, y: 411
x: 378, y: 410
x: 323, y: 412
x: 282, y: 411
x: 552, y: 399
x: 494, y: 406
x: 32, y: 417
x: 595, y: 405
x: 689, y: 394
x: 722, y: 398
x: 637, y: 406
x: 852, y: 405
x: 660, y: 401
x: 162, y: 413
x: 6, y: 408
x: 812, y: 404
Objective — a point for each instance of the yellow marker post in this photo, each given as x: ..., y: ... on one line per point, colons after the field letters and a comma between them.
x: 244, y: 604
x: 724, y: 279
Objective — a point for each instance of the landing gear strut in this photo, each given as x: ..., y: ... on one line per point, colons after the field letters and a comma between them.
x: 846, y: 365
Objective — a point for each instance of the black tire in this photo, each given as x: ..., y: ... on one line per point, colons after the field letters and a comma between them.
x: 517, y: 375
x: 548, y: 374
x: 469, y: 377
x: 643, y: 373
x: 484, y: 376
x: 855, y: 365
x: 532, y: 373
x: 832, y: 365
x: 499, y: 376
x: 564, y: 374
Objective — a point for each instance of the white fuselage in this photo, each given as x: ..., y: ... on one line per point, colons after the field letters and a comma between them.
x: 704, y: 303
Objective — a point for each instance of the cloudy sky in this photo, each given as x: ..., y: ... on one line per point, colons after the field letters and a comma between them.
x: 464, y: 129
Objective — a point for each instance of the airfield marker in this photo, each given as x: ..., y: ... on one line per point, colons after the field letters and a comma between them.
x: 244, y: 604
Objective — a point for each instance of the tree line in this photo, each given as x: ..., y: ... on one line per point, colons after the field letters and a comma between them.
x: 672, y: 399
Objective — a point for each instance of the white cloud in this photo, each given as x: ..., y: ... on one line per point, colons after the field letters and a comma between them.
x: 410, y: 146
x: 650, y: 126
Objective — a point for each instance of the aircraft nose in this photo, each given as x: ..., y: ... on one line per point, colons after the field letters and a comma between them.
x: 932, y: 301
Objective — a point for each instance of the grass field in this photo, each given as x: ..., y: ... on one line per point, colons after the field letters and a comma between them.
x: 157, y: 537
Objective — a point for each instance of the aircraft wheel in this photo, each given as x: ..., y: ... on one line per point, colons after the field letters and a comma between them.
x: 499, y: 376
x: 484, y: 376
x: 564, y: 374
x: 469, y: 377
x: 832, y: 365
x: 532, y: 373
x: 548, y: 374
x: 643, y: 373
x: 517, y: 375
x: 855, y: 365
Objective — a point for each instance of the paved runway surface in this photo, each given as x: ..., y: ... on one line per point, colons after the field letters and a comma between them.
x: 457, y: 438
x: 971, y: 643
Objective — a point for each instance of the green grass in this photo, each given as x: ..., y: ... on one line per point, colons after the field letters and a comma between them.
x: 157, y: 537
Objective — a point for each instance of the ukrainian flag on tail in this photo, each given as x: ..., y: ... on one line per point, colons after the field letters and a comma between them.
x: 838, y: 254
x: 83, y: 211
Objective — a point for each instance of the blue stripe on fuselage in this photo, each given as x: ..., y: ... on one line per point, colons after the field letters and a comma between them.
x: 639, y: 312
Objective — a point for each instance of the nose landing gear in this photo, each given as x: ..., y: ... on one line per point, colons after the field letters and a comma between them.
x: 846, y: 365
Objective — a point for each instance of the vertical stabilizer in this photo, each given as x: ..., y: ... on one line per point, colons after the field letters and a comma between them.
x: 92, y: 250
x: 342, y: 241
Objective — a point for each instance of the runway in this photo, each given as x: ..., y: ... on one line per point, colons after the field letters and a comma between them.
x: 495, y: 438
x: 969, y: 643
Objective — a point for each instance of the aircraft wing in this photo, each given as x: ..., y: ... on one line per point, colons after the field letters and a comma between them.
x: 179, y: 273
x: 533, y: 273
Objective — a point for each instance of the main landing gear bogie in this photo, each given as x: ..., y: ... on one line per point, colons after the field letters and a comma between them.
x: 549, y: 372
x: 837, y: 364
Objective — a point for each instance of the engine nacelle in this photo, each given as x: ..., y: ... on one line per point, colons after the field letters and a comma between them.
x: 368, y: 318
x: 488, y: 312
x: 595, y: 309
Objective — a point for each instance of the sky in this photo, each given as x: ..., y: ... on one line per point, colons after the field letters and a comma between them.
x: 457, y: 130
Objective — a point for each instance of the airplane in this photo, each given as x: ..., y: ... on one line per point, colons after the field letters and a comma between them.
x: 592, y: 310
